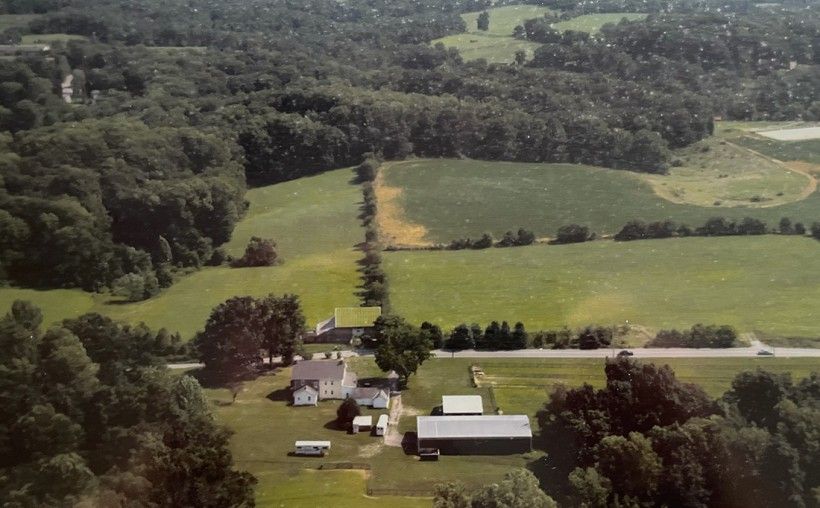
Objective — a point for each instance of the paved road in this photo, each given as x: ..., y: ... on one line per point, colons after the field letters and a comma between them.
x: 735, y: 352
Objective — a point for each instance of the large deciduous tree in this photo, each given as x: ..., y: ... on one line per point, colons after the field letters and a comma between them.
x: 401, y: 347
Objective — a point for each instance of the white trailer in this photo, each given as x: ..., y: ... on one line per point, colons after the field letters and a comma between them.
x: 314, y: 448
x: 381, y: 425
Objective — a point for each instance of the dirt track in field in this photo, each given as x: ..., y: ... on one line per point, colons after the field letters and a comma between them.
x: 394, y: 228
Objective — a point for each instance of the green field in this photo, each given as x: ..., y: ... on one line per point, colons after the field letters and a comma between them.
x: 503, y: 20
x: 496, y: 45
x: 593, y: 22
x: 744, y: 134
x: 51, y: 38
x: 314, y: 223
x: 265, y: 426
x: 447, y: 199
x: 15, y: 20
x: 769, y: 284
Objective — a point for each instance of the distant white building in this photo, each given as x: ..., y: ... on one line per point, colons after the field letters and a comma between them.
x: 362, y: 423
x: 329, y: 379
x: 381, y: 425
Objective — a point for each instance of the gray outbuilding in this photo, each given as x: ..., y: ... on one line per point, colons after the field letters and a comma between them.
x: 475, y: 435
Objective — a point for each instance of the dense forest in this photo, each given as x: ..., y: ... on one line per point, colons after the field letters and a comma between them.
x: 90, y: 417
x: 177, y: 105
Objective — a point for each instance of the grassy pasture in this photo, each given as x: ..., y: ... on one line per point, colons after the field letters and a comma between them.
x: 265, y: 427
x: 768, y: 284
x: 449, y: 199
x: 496, y: 45
x: 593, y: 22
x: 503, y: 20
x: 717, y: 173
x: 312, y: 219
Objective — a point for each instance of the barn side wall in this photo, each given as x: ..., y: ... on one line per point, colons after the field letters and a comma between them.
x: 494, y: 446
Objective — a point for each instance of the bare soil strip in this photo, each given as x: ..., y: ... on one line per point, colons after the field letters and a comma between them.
x: 395, y: 229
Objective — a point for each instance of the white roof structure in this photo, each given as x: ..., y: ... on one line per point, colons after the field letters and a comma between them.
x: 467, y: 427
x: 305, y: 388
x: 461, y: 404
x: 382, y: 422
x: 363, y: 421
x: 322, y: 444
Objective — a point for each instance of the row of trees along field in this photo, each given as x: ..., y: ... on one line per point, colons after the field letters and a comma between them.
x: 268, y: 91
x: 91, y: 417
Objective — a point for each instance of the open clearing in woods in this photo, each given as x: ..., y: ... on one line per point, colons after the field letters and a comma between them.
x: 591, y: 23
x: 496, y: 44
x: 769, y: 284
x: 313, y: 220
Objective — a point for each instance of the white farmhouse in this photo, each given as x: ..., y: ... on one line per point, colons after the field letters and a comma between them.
x: 326, y: 379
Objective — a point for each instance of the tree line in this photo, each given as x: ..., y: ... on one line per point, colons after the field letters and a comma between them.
x: 715, y: 226
x: 648, y: 439
x: 374, y: 289
x: 91, y: 416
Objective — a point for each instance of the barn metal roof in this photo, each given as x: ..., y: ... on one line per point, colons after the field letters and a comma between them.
x: 356, y: 317
x: 485, y: 426
x: 462, y: 404
x: 325, y: 444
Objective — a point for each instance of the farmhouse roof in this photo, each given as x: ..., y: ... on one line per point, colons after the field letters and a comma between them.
x: 306, y: 388
x: 461, y: 404
x: 368, y: 393
x: 356, y: 317
x: 319, y: 369
x: 464, y: 427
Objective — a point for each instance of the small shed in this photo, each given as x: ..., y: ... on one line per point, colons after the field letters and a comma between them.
x: 371, y: 397
x: 362, y: 423
x: 462, y: 405
x: 305, y: 396
x: 381, y: 425
x: 317, y: 448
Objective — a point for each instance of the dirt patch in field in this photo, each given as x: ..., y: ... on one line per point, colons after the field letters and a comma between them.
x: 807, y: 168
x: 394, y: 228
x: 371, y: 450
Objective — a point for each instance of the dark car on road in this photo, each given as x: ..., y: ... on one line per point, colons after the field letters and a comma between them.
x: 626, y: 353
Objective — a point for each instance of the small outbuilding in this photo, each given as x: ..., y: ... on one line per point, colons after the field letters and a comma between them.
x: 305, y: 396
x: 371, y: 397
x: 462, y: 405
x: 315, y: 448
x: 362, y: 423
x: 475, y: 435
x: 381, y: 425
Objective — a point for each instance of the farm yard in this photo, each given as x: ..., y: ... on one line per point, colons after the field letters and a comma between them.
x: 769, y: 284
x: 321, y: 270
x: 518, y: 386
x: 496, y: 45
x: 591, y: 23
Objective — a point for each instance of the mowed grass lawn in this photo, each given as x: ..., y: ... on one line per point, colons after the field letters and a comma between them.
x: 313, y: 221
x: 496, y: 44
x: 265, y: 426
x: 591, y: 23
x: 769, y: 284
x: 459, y: 198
